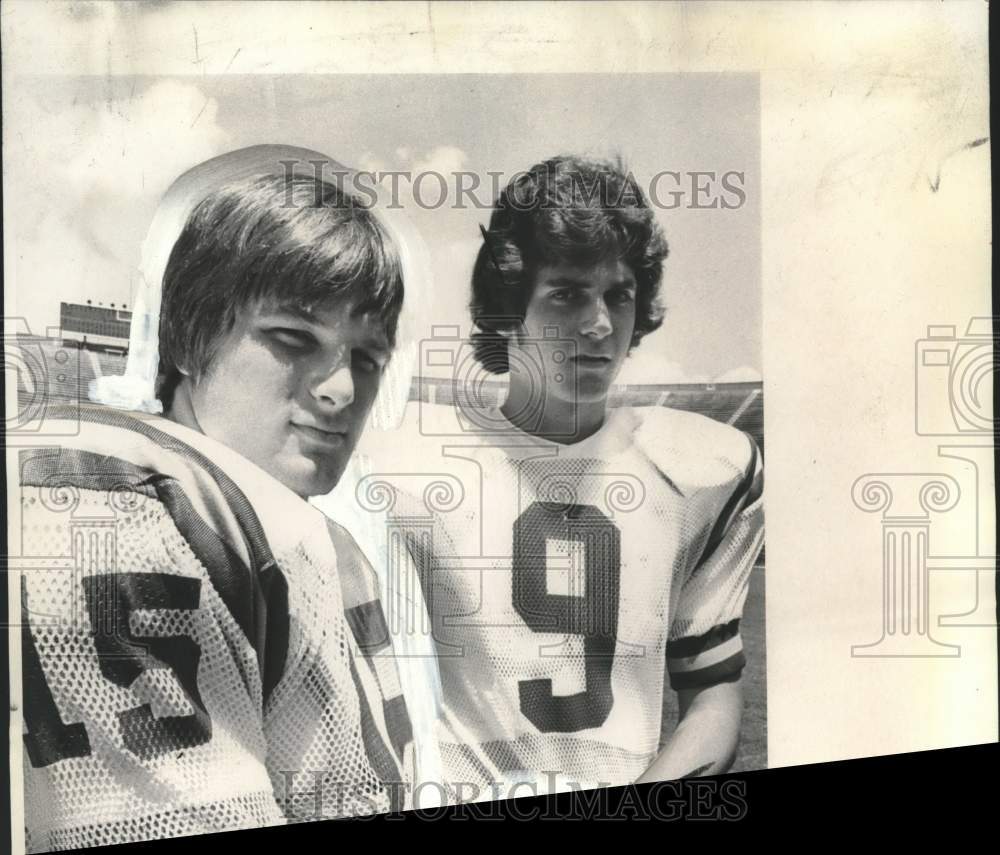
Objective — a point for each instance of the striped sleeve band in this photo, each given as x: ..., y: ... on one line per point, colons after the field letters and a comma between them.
x: 707, y: 659
x: 746, y: 493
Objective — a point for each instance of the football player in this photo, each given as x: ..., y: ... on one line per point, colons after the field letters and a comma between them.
x: 572, y: 553
x: 209, y: 651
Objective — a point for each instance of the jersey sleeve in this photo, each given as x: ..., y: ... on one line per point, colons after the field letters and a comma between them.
x: 142, y: 691
x: 704, y: 645
x: 385, y: 558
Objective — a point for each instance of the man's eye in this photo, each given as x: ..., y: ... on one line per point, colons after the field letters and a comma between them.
x: 290, y: 339
x: 621, y: 298
x: 366, y: 361
x: 562, y: 295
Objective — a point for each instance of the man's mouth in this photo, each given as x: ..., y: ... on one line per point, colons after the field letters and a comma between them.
x: 323, y: 436
x: 596, y: 361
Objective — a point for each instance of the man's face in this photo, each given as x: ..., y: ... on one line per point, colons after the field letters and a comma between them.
x: 593, y: 307
x: 290, y: 390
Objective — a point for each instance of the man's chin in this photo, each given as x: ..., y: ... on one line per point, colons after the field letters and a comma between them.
x: 306, y: 479
x: 586, y: 390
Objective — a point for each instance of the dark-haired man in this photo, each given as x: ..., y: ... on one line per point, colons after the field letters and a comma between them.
x: 591, y: 546
x: 219, y: 657
x: 277, y: 349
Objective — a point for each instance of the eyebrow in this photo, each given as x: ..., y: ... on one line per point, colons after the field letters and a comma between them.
x: 380, y: 344
x: 375, y: 342
x: 570, y: 282
x: 308, y: 315
x: 294, y: 311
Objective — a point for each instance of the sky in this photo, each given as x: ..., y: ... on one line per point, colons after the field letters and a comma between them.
x: 99, y: 152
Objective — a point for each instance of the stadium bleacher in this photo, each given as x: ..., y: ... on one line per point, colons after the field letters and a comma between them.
x: 68, y: 368
x: 64, y: 377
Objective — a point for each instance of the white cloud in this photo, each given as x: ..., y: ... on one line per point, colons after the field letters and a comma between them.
x: 132, y: 146
x: 647, y: 367
x: 743, y: 374
x: 444, y: 159
x: 86, y: 180
x: 370, y: 162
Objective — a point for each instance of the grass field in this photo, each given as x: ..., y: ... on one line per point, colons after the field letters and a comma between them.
x: 753, y: 738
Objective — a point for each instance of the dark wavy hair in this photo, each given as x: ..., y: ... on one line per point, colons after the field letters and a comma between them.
x: 293, y: 239
x: 564, y: 210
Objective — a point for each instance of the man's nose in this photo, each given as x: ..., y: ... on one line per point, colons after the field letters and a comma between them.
x: 334, y: 385
x: 598, y: 321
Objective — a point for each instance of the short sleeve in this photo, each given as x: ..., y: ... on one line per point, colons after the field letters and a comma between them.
x: 141, y: 691
x: 387, y: 555
x: 704, y: 645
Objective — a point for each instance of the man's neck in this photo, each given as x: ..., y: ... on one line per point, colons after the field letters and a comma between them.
x: 181, y: 409
x: 559, y: 421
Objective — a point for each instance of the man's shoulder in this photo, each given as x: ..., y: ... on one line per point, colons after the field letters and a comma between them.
x: 116, y: 451
x: 690, y: 449
x: 427, y: 429
x: 108, y: 447
x: 444, y: 423
x: 209, y: 492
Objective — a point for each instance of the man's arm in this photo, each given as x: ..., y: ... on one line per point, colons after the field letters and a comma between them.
x: 704, y: 651
x: 706, y: 737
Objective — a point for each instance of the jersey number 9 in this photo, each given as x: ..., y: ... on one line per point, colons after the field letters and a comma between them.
x: 592, y: 615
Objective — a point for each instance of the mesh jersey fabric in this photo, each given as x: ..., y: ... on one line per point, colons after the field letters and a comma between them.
x: 405, y: 612
x: 201, y: 649
x: 560, y: 577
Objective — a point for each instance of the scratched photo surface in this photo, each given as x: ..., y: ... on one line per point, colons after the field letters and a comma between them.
x: 649, y: 539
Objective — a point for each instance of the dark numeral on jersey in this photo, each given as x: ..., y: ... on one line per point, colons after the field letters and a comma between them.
x: 593, y: 614
x: 48, y: 739
x: 123, y: 656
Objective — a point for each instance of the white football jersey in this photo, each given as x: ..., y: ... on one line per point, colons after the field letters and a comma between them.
x: 562, y: 579
x: 202, y: 650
